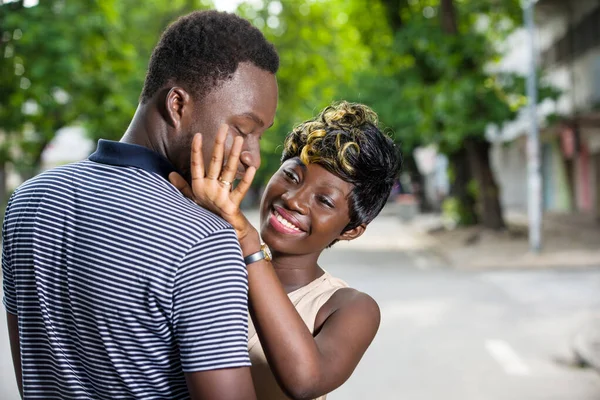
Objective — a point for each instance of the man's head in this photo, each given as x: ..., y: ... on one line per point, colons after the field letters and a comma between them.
x: 211, y: 68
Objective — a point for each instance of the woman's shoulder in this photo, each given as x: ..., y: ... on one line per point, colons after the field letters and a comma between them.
x: 352, y: 298
x: 351, y: 302
x: 346, y: 296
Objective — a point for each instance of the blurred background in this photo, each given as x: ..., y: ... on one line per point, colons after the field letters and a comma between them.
x: 469, y: 312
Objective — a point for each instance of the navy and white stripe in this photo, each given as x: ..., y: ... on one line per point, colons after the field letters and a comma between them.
x: 120, y: 284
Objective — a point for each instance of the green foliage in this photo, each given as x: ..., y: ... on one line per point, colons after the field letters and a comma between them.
x: 473, y: 189
x: 66, y: 58
x: 320, y: 48
x: 110, y: 112
x: 84, y: 62
x: 437, y: 87
x: 454, y: 213
x: 74, y: 62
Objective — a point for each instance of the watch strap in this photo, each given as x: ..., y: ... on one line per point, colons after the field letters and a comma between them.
x: 252, y: 258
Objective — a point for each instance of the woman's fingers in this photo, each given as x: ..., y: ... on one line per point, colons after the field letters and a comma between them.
x: 181, y: 185
x: 224, y: 175
x: 197, y: 161
x: 242, y: 188
x: 216, y: 160
x: 230, y: 169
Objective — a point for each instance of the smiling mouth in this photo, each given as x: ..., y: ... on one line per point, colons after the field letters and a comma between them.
x: 283, y: 225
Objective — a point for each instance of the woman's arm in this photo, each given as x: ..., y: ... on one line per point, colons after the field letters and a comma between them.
x: 305, y: 366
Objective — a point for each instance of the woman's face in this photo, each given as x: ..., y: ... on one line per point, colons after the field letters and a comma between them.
x: 304, y: 208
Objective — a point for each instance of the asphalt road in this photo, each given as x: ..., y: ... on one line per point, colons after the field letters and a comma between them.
x: 455, y: 335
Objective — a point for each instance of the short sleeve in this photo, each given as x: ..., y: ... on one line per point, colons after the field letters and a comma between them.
x: 210, y: 305
x: 8, y: 282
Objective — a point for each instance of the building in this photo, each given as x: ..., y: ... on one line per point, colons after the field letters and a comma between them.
x: 568, y: 41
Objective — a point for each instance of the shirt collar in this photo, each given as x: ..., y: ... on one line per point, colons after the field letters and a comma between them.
x: 131, y: 155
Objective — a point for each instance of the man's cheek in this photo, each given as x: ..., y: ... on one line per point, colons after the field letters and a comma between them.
x: 231, y: 134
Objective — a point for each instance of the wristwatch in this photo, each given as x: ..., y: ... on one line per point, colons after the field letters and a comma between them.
x: 263, y: 253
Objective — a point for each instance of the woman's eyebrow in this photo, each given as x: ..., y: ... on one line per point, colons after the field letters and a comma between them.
x: 328, y: 185
x: 299, y: 163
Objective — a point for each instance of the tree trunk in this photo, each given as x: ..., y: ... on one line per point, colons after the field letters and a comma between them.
x: 393, y: 8
x: 448, y: 16
x: 459, y: 160
x: 418, y: 182
x: 490, y: 210
x: 476, y: 153
x: 459, y: 187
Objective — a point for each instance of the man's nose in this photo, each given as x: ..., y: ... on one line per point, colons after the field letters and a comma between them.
x: 250, y: 156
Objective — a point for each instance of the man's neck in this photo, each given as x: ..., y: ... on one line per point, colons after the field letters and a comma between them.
x: 144, y: 130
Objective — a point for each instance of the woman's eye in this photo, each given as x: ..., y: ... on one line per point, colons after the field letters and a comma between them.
x: 291, y: 176
x: 326, y: 201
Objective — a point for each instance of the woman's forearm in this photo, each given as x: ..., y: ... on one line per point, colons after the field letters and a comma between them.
x: 288, y: 344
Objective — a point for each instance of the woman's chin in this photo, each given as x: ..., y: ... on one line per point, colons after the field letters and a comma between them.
x: 277, y: 243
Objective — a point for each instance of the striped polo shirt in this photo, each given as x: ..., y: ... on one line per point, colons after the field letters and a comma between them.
x: 120, y: 283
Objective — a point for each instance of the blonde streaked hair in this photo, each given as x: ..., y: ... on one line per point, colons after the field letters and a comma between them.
x: 345, y: 139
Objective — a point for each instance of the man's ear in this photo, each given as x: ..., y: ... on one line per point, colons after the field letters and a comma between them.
x: 177, y: 103
x: 353, y: 233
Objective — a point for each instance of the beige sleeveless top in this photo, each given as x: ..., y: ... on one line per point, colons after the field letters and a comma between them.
x: 308, y: 300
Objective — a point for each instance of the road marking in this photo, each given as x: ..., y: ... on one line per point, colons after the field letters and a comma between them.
x: 507, y: 357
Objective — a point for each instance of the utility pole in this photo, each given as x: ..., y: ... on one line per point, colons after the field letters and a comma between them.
x: 533, y: 139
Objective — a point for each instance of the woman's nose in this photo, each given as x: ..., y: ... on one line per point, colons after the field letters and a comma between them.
x: 296, y: 200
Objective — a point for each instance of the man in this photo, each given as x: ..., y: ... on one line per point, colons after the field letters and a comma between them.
x: 115, y: 285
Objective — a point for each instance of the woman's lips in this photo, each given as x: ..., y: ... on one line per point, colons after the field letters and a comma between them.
x: 288, y: 217
x: 282, y: 225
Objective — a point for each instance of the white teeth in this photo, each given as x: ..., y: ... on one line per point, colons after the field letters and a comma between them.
x: 285, y: 222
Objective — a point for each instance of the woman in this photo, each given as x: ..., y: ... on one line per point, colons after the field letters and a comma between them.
x: 337, y: 172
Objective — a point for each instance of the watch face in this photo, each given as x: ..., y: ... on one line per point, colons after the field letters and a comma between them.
x: 266, y: 251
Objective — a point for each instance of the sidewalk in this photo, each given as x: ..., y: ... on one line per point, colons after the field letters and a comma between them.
x: 568, y: 241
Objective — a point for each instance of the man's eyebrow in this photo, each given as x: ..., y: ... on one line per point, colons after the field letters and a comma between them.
x: 255, y: 118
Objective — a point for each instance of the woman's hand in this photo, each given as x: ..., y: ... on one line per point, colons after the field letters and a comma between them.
x: 213, y: 191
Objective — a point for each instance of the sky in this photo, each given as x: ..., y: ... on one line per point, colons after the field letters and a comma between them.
x: 29, y: 3
x: 227, y: 5
x: 223, y: 5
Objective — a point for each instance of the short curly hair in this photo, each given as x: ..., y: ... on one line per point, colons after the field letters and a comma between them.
x: 345, y: 140
x: 204, y: 48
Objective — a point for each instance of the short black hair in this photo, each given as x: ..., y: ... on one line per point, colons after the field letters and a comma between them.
x: 345, y: 140
x: 204, y: 48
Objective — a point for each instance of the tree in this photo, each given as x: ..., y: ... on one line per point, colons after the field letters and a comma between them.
x: 73, y: 62
x: 320, y: 49
x: 447, y: 90
x: 110, y: 108
x: 62, y: 60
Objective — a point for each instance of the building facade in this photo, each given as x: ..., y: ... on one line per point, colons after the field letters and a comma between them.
x: 568, y: 43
